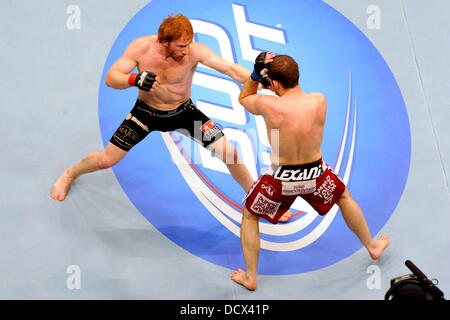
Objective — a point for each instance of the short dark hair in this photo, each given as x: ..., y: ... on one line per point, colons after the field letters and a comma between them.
x: 284, y: 69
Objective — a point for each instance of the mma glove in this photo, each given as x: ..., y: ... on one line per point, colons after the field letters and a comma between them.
x: 143, y: 80
x: 259, y: 66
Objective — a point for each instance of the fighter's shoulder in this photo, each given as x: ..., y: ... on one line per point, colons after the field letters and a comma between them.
x: 317, y: 95
x: 319, y: 99
x: 269, y: 103
x: 142, y: 43
x: 269, y: 99
x: 197, y: 46
x: 200, y: 51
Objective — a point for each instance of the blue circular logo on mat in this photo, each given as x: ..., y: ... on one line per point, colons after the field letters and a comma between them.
x: 190, y: 197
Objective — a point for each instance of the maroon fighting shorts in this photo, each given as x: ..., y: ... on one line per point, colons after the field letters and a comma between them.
x: 275, y: 191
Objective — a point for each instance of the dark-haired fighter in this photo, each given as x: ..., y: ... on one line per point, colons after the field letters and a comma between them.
x: 297, y: 121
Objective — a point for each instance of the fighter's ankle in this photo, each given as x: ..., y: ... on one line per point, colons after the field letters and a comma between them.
x: 70, y: 173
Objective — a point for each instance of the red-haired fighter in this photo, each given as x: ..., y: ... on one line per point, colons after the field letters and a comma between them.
x: 166, y: 63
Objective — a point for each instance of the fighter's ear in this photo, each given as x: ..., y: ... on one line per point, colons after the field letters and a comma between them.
x: 275, y: 84
x: 165, y: 43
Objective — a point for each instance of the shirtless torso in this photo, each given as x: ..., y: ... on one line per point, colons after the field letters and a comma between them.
x: 174, y: 77
x: 295, y: 124
x: 173, y: 63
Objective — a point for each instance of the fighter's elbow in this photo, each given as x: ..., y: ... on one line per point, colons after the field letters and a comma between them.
x: 108, y: 80
x: 116, y: 80
x: 247, y: 106
x: 242, y: 100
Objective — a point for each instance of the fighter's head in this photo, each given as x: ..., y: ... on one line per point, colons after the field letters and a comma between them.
x: 176, y: 33
x: 175, y: 27
x: 283, y: 70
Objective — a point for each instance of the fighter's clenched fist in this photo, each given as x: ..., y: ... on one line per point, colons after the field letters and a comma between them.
x: 143, y: 80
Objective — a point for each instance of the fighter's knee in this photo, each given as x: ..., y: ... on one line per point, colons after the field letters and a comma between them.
x: 105, y: 162
x: 231, y: 155
x: 247, y: 215
x: 225, y: 151
x: 344, y: 196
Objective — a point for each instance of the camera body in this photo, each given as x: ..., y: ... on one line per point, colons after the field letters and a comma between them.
x: 414, y: 286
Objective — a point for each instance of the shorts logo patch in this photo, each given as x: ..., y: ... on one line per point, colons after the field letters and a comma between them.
x: 292, y: 188
x: 209, y: 129
x: 140, y: 124
x: 127, y: 133
x: 267, y: 188
x: 265, y: 206
x: 325, y: 190
x: 298, y: 175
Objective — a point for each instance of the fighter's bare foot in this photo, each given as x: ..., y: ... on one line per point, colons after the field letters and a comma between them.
x: 285, y: 217
x: 61, y: 186
x: 377, y: 247
x: 241, y: 277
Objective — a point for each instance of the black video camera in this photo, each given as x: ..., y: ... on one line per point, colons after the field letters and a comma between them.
x: 414, y: 286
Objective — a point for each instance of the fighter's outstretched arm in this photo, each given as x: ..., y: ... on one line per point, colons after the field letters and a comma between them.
x: 207, y: 57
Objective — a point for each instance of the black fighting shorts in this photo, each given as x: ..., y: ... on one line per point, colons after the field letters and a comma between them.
x: 186, y: 119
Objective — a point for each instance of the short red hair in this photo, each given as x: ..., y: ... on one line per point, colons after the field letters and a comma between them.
x: 174, y: 27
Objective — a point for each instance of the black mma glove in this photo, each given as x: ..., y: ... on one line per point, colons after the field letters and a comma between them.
x: 259, y: 66
x: 143, y: 80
